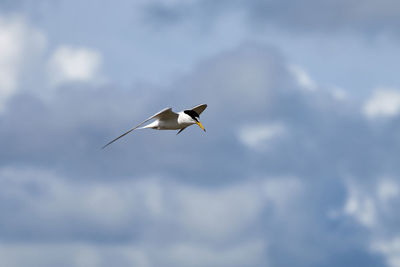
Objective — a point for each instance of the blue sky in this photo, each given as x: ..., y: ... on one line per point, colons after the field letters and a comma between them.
x: 299, y: 165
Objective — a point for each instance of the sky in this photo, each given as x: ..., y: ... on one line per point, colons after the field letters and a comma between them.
x: 298, y: 167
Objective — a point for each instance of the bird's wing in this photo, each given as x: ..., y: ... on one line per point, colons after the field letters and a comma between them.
x: 181, y: 130
x: 199, y: 109
x: 166, y: 113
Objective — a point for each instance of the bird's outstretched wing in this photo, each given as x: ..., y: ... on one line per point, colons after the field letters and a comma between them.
x: 199, y: 109
x: 166, y: 113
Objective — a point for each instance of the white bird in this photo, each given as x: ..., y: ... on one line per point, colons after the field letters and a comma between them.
x: 166, y: 119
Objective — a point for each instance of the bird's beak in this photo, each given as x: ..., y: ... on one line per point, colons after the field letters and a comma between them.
x: 201, y: 126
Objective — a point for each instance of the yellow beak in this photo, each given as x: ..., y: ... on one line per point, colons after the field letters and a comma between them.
x: 201, y: 126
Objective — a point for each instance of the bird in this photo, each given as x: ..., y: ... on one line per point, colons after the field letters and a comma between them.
x: 166, y: 119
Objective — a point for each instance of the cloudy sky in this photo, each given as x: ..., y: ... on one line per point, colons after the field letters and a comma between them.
x: 299, y: 165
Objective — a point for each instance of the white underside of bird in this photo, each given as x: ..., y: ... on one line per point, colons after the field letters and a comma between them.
x: 166, y: 119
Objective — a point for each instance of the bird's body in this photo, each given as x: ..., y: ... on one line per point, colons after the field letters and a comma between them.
x: 181, y: 120
x: 166, y: 119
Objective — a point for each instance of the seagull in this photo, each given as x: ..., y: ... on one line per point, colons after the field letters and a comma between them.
x: 166, y: 119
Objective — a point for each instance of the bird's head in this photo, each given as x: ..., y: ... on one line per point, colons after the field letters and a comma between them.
x: 194, y: 117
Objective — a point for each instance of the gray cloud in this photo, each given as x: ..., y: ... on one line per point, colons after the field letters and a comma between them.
x: 367, y: 17
x: 283, y: 176
x: 206, y: 192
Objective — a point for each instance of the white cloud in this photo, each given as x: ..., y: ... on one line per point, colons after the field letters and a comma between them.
x: 282, y: 191
x: 387, y: 190
x: 339, y: 93
x: 74, y: 64
x: 258, y: 136
x: 19, y: 45
x: 367, y: 205
x: 384, y: 102
x: 362, y: 208
x: 372, y: 207
x: 390, y: 249
x: 303, y: 78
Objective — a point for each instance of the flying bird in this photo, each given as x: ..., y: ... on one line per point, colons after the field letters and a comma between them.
x: 166, y: 119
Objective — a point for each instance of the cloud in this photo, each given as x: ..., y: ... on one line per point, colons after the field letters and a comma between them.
x: 80, y: 221
x: 23, y: 61
x: 258, y: 136
x: 157, y: 199
x: 20, y: 47
x: 92, y: 207
x: 248, y: 254
x: 234, y: 209
x: 74, y: 254
x: 302, y: 77
x: 388, y: 190
x: 384, y: 102
x: 71, y: 64
x: 247, y: 79
x: 221, y: 214
x: 89, y: 118
x: 202, y: 194
x: 390, y: 248
x: 367, y: 17
x: 361, y: 206
x: 81, y: 254
x: 339, y: 94
x: 368, y: 206
x: 373, y: 207
x: 205, y: 214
